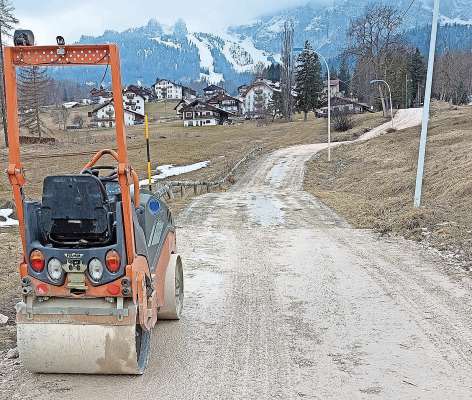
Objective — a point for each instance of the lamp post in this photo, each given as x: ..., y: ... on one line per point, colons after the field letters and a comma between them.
x: 329, y: 104
x: 391, y: 103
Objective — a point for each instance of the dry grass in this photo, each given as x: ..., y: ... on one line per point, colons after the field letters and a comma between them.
x: 372, y: 183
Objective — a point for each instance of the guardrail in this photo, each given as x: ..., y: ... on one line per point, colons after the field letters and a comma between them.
x: 169, y: 188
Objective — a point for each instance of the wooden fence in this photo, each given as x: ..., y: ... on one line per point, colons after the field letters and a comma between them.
x: 170, y: 189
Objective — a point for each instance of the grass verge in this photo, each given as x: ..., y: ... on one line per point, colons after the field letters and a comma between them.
x: 372, y: 183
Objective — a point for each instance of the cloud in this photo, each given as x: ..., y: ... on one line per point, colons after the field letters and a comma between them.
x: 72, y: 19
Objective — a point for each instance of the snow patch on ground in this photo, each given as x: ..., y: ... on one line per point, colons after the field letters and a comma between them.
x: 5, y: 213
x: 165, y: 171
x: 207, y: 62
x: 243, y: 54
x: 277, y: 25
x: 167, y: 43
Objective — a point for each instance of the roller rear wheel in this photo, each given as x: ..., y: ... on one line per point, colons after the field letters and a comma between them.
x: 174, y: 290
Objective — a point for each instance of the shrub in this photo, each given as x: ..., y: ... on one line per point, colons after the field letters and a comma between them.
x: 342, y: 122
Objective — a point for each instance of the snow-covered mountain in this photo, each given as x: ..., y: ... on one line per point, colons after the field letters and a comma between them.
x: 158, y: 51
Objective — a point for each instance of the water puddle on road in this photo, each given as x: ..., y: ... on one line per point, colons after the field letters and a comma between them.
x: 278, y: 173
x: 265, y: 210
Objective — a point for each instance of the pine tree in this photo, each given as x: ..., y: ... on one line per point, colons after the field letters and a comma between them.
x: 344, y: 77
x: 417, y: 72
x: 7, y: 22
x: 273, y: 72
x: 33, y: 85
x: 308, y: 82
x: 275, y: 105
x: 260, y: 105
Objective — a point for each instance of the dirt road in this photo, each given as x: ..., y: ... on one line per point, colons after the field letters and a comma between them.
x: 284, y: 300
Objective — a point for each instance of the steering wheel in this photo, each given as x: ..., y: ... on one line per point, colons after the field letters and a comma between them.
x: 90, y: 168
x: 95, y: 171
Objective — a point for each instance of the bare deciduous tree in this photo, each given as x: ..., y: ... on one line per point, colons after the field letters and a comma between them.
x: 452, y: 77
x: 373, y: 40
x: 287, y: 78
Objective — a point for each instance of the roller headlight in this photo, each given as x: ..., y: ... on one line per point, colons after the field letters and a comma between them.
x: 95, y: 268
x: 55, y: 270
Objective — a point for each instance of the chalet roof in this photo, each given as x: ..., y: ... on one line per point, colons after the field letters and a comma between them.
x: 333, y: 82
x: 100, y: 106
x: 186, y: 102
x: 197, y: 102
x: 96, y: 109
x: 167, y: 80
x: 101, y: 92
x: 212, y: 88
x: 135, y: 91
x: 222, y: 97
x: 139, y: 90
x: 260, y: 83
x: 339, y: 100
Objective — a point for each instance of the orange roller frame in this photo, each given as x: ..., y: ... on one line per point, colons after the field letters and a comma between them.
x: 73, y: 55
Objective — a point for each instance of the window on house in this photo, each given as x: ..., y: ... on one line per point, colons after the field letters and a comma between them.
x: 208, y: 121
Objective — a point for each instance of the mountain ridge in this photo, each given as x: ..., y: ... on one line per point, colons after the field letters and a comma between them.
x: 159, y: 51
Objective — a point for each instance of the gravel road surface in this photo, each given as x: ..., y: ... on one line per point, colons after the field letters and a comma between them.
x: 284, y: 300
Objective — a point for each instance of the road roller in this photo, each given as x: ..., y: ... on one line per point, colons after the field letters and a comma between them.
x: 100, y: 264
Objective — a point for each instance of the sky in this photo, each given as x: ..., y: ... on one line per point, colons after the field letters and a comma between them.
x: 49, y: 18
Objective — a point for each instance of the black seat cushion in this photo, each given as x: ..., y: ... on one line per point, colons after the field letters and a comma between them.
x: 75, y: 208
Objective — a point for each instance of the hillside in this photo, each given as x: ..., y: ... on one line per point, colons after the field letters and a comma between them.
x: 372, y: 184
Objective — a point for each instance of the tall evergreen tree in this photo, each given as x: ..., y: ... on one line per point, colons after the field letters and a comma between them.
x: 417, y: 71
x: 7, y: 23
x: 33, y: 86
x: 308, y: 82
x: 344, y: 77
x: 273, y: 72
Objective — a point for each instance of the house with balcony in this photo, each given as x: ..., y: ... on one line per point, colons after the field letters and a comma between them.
x: 200, y: 113
x: 212, y: 90
x: 103, y: 116
x: 133, y: 101
x: 100, y: 95
x: 227, y: 103
x: 165, y: 89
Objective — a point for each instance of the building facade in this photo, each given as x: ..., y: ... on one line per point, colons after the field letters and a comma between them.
x: 133, y: 101
x: 257, y: 98
x: 213, y: 90
x: 227, y: 103
x: 103, y: 116
x: 199, y: 113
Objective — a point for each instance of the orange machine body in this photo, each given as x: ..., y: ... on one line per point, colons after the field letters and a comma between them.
x: 137, y: 267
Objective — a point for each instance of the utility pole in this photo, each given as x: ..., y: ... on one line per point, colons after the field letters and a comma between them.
x: 329, y: 104
x: 427, y: 104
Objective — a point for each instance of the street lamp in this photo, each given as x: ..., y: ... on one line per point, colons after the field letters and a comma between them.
x: 329, y: 104
x: 391, y: 103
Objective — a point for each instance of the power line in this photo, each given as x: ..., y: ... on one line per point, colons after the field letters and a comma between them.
x: 408, y: 9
